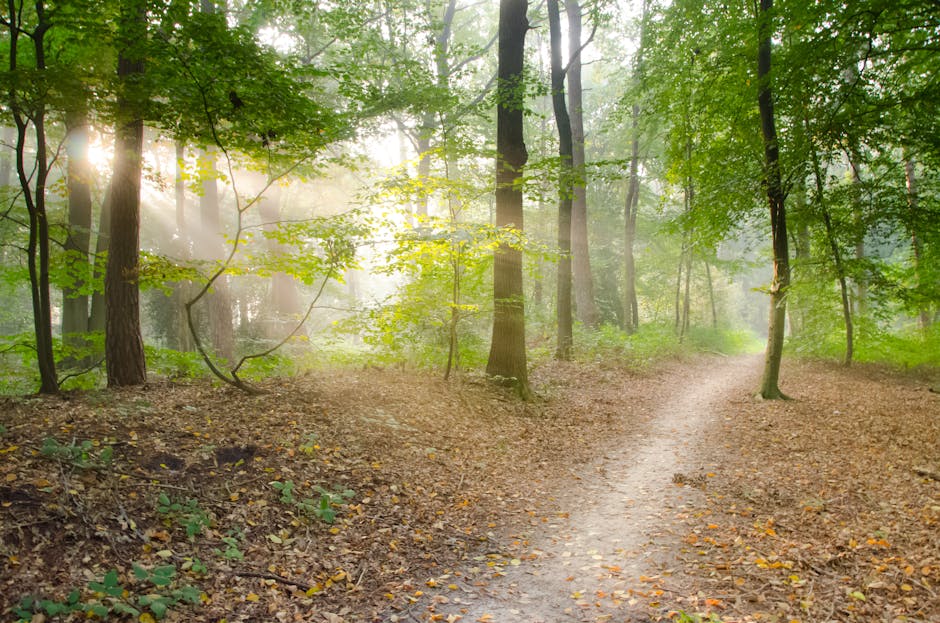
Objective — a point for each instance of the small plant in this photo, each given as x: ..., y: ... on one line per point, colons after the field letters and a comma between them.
x: 231, y: 542
x: 187, y: 514
x: 83, y: 455
x: 322, y: 508
x: 110, y: 597
x: 309, y: 445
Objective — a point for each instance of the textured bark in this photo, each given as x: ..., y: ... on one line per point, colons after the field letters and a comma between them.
x: 586, y: 305
x: 124, y: 346
x: 565, y: 187
x: 78, y: 241
x: 778, y: 216
x: 507, y: 356
x: 32, y: 181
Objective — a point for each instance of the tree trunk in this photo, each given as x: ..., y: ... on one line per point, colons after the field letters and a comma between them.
x: 219, y: 300
x: 586, y: 305
x: 819, y: 176
x: 183, y: 341
x: 78, y: 240
x: 565, y: 187
x: 507, y: 356
x: 913, y: 204
x: 285, y: 305
x: 97, y: 320
x: 631, y: 309
x: 711, y: 294
x: 34, y: 194
x: 6, y: 162
x: 124, y: 346
x: 770, y: 387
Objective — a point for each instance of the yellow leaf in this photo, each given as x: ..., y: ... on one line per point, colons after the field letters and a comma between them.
x: 146, y: 617
x: 907, y: 587
x: 252, y: 597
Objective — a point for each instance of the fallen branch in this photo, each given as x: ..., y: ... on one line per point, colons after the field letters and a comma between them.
x: 272, y: 576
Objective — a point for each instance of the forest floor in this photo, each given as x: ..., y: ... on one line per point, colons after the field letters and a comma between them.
x: 388, y: 495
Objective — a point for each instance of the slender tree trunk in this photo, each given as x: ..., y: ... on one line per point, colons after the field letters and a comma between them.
x: 861, y: 282
x: 6, y: 162
x: 75, y: 312
x: 711, y: 294
x: 819, y: 176
x: 34, y: 195
x: 631, y: 309
x: 913, y: 204
x: 181, y: 290
x: 285, y: 303
x: 97, y: 320
x: 507, y: 356
x: 124, y: 346
x: 586, y: 305
x: 219, y: 300
x: 565, y: 186
x: 770, y: 387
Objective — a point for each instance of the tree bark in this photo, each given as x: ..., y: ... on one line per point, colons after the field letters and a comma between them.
x: 507, y: 356
x: 565, y: 187
x: 34, y: 194
x: 181, y: 290
x: 631, y: 309
x: 913, y: 204
x: 586, y: 305
x: 770, y: 388
x: 124, y: 346
x: 219, y: 300
x: 75, y: 312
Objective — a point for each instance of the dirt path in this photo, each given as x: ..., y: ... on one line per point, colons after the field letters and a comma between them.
x: 608, y: 550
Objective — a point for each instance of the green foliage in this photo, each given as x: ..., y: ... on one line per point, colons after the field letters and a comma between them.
x: 186, y: 514
x: 155, y: 589
x: 174, y: 364
x: 232, y: 542
x: 84, y: 455
x: 656, y: 342
x: 322, y: 508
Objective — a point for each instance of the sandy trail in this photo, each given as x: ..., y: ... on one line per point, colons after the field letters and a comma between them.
x: 614, y: 537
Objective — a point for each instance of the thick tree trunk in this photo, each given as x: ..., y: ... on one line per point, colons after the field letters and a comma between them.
x: 507, y: 356
x: 565, y: 186
x: 586, y: 305
x: 124, y: 346
x: 778, y: 217
x: 75, y: 312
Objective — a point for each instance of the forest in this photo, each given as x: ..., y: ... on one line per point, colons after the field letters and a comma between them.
x: 246, y: 245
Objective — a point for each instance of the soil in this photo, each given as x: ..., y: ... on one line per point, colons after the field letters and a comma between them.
x: 619, y: 495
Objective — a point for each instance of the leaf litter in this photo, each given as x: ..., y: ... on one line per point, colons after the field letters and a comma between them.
x: 415, y: 499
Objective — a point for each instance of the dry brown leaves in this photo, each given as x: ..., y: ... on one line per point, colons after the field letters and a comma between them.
x: 819, y: 508
x: 813, y: 512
